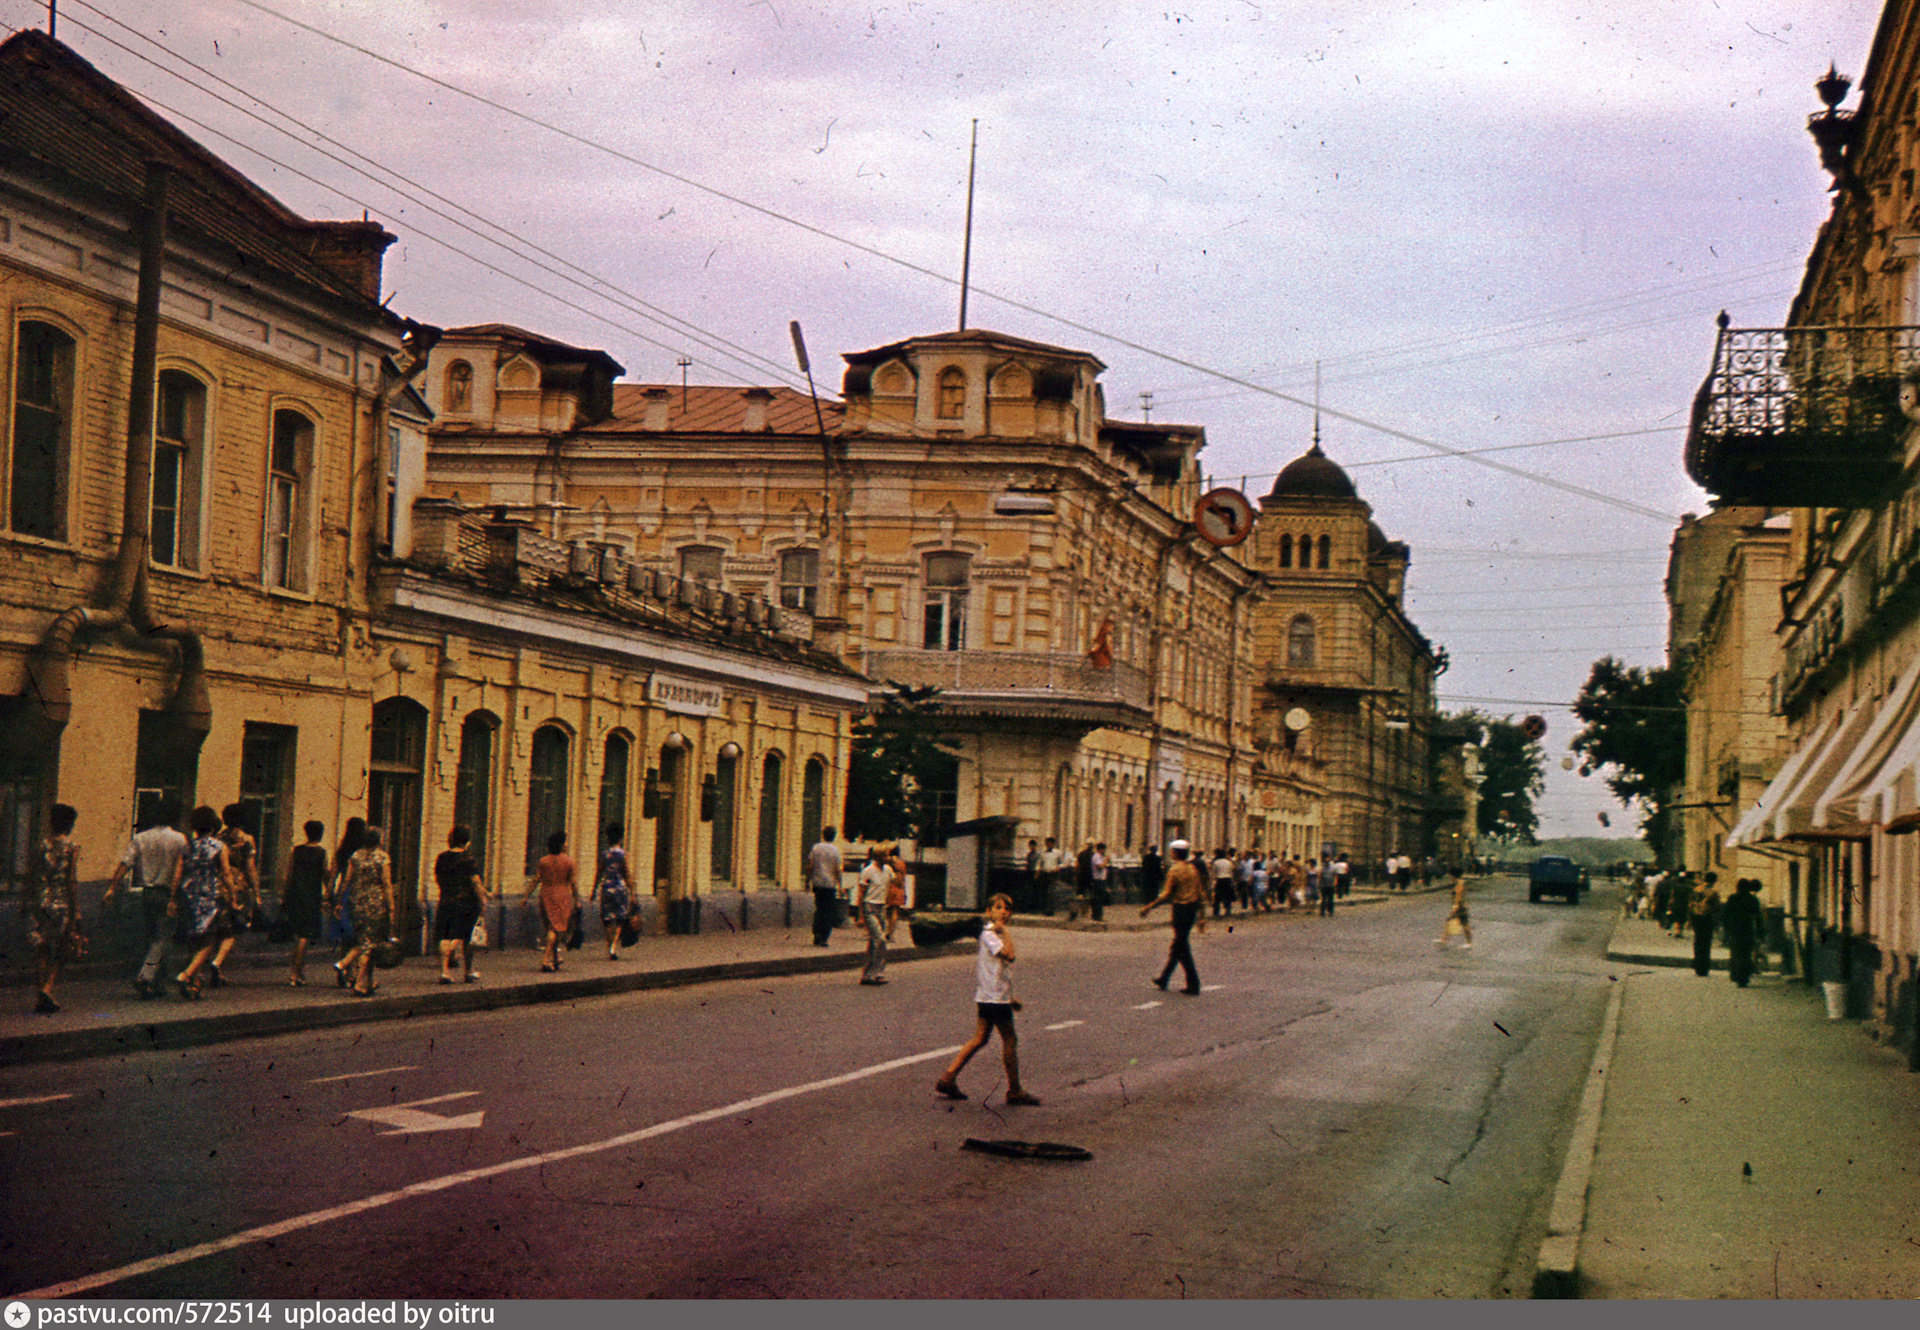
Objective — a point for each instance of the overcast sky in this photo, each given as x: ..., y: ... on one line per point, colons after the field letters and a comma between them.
x: 1495, y: 225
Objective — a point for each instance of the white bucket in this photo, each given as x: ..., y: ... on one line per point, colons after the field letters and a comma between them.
x: 1836, y: 1000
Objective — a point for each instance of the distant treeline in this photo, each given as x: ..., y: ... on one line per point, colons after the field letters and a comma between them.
x: 1590, y: 851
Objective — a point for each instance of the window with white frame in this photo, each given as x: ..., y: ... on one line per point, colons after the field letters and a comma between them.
x: 42, y: 431
x: 290, y: 463
x: 800, y: 579
x: 944, y: 626
x: 179, y: 457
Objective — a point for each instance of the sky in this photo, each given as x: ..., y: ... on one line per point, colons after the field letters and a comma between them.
x: 1496, y: 228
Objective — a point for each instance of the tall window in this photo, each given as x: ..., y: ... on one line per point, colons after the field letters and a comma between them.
x: 613, y: 785
x: 473, y: 785
x: 1286, y: 551
x: 1326, y: 551
x: 800, y: 579
x: 179, y: 441
x: 769, y: 856
x: 289, y: 465
x: 701, y: 563
x: 459, y: 394
x: 1300, y: 642
x: 945, y: 620
x: 42, y: 431
x: 266, y: 789
x: 813, y: 801
x: 953, y: 393
x: 397, y: 760
x: 725, y: 774
x: 546, y: 790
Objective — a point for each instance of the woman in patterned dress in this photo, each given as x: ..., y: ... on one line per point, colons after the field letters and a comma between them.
x: 51, y: 904
x: 202, y: 895
x: 613, y: 889
x: 368, y: 886
x: 241, y: 863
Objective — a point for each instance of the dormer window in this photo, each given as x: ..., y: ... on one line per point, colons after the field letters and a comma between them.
x: 458, y: 398
x: 953, y: 393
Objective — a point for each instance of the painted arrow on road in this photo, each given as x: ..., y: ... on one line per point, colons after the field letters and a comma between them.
x: 408, y: 1118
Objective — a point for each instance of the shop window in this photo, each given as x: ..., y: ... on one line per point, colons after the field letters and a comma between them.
x: 725, y: 776
x: 42, y: 431
x: 179, y: 460
x: 546, y: 790
x: 768, y: 859
x: 473, y: 783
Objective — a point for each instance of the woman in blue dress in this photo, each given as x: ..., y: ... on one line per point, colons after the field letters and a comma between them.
x: 614, y: 889
x: 202, y: 893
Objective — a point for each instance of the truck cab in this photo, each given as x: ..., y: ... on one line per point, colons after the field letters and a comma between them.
x: 1555, y: 875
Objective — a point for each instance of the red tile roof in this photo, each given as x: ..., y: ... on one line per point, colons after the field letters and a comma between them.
x: 706, y: 409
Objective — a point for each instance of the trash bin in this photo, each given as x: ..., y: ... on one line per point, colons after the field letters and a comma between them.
x: 1836, y: 994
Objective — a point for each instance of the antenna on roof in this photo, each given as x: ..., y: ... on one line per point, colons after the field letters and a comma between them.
x: 826, y: 445
x: 683, y: 362
x: 966, y: 247
x: 1146, y: 406
x: 53, y: 17
x: 1316, y: 404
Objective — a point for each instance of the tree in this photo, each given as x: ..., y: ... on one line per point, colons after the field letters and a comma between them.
x: 1513, y: 774
x: 899, y: 766
x: 1636, y: 733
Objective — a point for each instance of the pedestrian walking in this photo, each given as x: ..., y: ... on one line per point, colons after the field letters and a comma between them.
x: 993, y: 1006
x: 1082, y: 881
x: 52, y: 907
x: 823, y: 875
x: 1098, y: 895
x: 1186, y: 892
x: 203, y: 895
x: 301, y: 895
x: 1457, y: 917
x: 1329, y: 888
x: 352, y: 837
x: 1342, y: 875
x: 463, y: 900
x: 1260, y: 879
x: 872, y: 895
x: 152, y: 858
x: 1243, y: 878
x: 243, y: 865
x: 1153, y: 871
x: 1406, y: 872
x: 896, y: 888
x: 368, y: 887
x: 1740, y: 921
x: 559, y: 893
x: 1703, y: 912
x: 1222, y: 868
x: 614, y: 888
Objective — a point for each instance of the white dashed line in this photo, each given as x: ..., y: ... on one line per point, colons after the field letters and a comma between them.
x: 1146, y: 1006
x: 1211, y: 988
x: 355, y: 1075
x: 33, y: 1099
x: 1064, y: 1025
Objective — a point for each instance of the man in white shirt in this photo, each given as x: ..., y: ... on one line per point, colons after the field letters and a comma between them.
x: 872, y: 891
x: 153, y: 856
x: 823, y: 875
x: 1097, y: 896
x: 1053, y: 877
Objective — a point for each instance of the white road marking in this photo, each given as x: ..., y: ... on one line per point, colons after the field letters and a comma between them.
x: 408, y: 1119
x: 33, y: 1099
x: 356, y: 1075
x: 313, y: 1218
x: 1146, y: 1006
x: 1211, y: 988
x: 1064, y: 1025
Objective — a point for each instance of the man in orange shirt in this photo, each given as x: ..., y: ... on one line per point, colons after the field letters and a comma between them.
x: 1186, y: 890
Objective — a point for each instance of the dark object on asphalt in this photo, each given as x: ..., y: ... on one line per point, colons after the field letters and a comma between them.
x: 1554, y: 875
x: 1746, y: 1170
x: 1030, y: 1150
x: 939, y: 932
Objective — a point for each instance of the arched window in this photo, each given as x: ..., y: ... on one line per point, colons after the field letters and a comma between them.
x: 473, y: 785
x: 725, y: 777
x: 42, y: 431
x: 1326, y: 551
x: 1306, y: 549
x: 1286, y: 551
x: 459, y: 394
x: 179, y: 457
x: 613, y: 785
x: 546, y: 790
x: 396, y: 766
x: 1300, y: 642
x: 769, y: 850
x: 953, y: 393
x: 289, y: 467
x: 813, y: 801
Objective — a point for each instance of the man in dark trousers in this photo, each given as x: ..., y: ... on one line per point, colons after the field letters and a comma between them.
x: 1740, y: 921
x: 1153, y: 871
x: 823, y: 875
x: 1702, y: 913
x: 1186, y: 891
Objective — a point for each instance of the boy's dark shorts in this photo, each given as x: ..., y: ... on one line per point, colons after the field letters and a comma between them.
x: 997, y: 1014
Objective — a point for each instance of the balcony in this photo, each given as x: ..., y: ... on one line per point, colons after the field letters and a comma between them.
x: 1803, y: 417
x: 1022, y: 685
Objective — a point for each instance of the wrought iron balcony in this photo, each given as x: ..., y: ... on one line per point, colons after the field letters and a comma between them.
x: 1021, y: 685
x: 1804, y: 417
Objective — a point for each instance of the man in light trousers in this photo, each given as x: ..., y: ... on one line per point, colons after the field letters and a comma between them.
x: 873, y: 913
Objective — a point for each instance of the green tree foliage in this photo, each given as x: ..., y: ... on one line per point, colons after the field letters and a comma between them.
x: 1513, y: 770
x: 1636, y: 736
x: 900, y: 762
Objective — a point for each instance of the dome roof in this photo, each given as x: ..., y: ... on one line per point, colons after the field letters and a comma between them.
x: 1312, y: 476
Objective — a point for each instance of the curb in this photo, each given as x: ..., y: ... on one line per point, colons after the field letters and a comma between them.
x: 192, y: 1032
x: 1556, y: 1270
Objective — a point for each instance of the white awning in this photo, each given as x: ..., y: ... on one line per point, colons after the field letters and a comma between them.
x: 1754, y: 824
x: 1794, y: 816
x: 1892, y: 796
x: 1844, y: 807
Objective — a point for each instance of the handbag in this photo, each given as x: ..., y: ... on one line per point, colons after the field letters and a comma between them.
x: 630, y: 928
x: 386, y: 955
x: 577, y: 935
x: 477, y: 939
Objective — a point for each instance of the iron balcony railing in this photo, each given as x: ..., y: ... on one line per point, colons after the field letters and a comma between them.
x: 1014, y: 680
x: 1804, y: 417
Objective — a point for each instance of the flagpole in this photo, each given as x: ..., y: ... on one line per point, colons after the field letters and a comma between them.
x: 966, y: 249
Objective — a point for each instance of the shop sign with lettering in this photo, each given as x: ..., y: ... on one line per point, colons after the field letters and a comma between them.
x: 688, y: 697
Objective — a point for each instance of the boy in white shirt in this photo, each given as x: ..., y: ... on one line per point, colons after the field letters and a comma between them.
x: 993, y: 999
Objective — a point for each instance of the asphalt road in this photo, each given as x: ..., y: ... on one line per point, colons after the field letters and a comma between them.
x: 1348, y: 1111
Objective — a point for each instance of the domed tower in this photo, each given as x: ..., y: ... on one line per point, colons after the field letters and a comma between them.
x: 1312, y: 520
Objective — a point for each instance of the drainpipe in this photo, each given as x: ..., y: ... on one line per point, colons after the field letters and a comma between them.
x: 50, y: 670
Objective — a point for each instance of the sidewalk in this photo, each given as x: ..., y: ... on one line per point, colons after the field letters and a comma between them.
x: 101, y: 1014
x: 1735, y: 1143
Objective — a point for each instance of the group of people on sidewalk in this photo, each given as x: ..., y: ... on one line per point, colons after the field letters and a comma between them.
x: 1682, y: 902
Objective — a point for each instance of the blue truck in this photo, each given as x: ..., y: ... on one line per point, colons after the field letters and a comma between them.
x: 1555, y: 875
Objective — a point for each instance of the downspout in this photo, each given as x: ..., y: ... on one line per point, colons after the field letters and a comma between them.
x: 1233, y: 683
x: 50, y: 670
